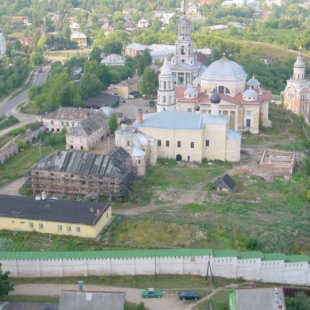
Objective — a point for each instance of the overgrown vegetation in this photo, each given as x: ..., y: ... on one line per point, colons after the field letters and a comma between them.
x: 9, y: 121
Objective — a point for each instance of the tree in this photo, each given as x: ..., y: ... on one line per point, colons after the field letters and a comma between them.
x: 5, y: 285
x: 113, y: 124
x: 149, y: 82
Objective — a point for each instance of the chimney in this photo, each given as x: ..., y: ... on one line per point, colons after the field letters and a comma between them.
x: 91, y: 210
x: 140, y: 116
x: 80, y: 285
x: 98, y: 211
x: 276, y: 296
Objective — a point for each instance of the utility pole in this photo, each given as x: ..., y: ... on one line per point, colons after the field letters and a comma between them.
x: 40, y: 153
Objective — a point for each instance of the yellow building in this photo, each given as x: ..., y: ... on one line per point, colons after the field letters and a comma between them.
x: 127, y: 88
x: 60, y: 217
x: 80, y: 39
x: 187, y: 136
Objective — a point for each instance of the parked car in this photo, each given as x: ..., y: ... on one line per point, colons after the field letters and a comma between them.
x: 151, y: 293
x: 186, y: 295
x: 151, y: 103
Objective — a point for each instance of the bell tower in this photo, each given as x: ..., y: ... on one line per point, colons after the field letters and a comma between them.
x: 166, y: 90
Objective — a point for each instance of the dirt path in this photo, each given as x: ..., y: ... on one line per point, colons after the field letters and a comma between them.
x: 168, y: 301
x: 12, y: 189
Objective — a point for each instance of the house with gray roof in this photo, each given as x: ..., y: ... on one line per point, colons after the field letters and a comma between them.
x: 66, y: 173
x: 90, y: 300
x: 87, y: 134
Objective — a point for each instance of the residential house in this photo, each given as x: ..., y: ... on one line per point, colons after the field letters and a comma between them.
x: 128, y: 87
x: 51, y: 216
x: 163, y: 16
x: 74, y: 27
x: 113, y: 60
x: 134, y: 49
x: 80, y: 39
x: 143, y: 23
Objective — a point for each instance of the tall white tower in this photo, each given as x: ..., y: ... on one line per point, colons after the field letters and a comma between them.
x: 184, y: 43
x: 165, y: 91
x: 297, y: 91
x: 2, y: 45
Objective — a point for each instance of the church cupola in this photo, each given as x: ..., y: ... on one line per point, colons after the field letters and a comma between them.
x: 215, y: 104
x: 299, y: 67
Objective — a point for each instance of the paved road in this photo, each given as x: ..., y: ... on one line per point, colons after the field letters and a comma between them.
x: 7, y: 107
x: 167, y: 302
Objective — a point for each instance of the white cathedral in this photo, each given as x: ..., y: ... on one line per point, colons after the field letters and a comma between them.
x: 186, y: 85
x: 200, y: 110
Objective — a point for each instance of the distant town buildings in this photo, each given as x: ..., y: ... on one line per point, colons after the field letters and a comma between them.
x: 113, y: 60
x: 2, y: 45
x: 77, y: 36
x: 296, y: 96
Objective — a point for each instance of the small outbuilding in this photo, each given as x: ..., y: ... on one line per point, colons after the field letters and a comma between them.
x: 80, y: 300
x: 224, y: 183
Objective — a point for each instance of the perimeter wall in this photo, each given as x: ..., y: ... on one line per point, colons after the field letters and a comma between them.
x: 289, y: 269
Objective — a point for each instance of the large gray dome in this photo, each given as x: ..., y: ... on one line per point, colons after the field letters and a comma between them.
x: 224, y: 69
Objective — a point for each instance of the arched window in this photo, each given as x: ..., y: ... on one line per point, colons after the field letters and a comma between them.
x: 164, y: 99
x: 165, y: 85
x: 182, y: 50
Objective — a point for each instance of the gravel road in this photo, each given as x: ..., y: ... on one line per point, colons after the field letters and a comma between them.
x: 167, y: 302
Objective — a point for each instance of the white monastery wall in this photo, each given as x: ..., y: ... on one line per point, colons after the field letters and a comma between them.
x: 227, y: 267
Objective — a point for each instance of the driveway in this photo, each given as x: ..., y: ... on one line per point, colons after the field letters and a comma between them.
x: 167, y: 302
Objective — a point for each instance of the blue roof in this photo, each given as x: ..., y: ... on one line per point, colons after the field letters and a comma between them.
x: 172, y: 120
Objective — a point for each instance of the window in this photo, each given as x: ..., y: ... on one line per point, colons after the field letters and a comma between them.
x: 207, y: 142
x: 30, y: 225
x: 52, y: 122
x: 248, y: 123
x: 68, y: 228
x: 59, y: 228
x: 167, y: 143
x: 189, y: 110
x: 78, y: 229
x: 159, y: 143
x: 179, y: 143
x: 188, y: 158
x: 192, y: 145
x: 40, y: 226
x: 57, y: 129
x: 67, y: 123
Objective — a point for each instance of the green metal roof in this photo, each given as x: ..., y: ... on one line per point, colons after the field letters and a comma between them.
x: 119, y: 254
x: 225, y: 253
x: 274, y: 256
x: 250, y: 255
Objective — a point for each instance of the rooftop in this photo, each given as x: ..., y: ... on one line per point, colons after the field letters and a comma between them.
x: 51, y: 210
x: 87, y: 164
